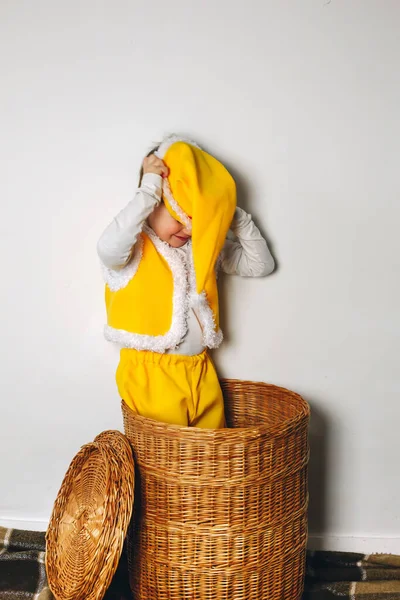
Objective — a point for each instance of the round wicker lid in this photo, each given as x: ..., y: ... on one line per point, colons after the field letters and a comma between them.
x: 90, y: 519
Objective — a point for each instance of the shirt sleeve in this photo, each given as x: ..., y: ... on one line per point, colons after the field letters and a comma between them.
x: 116, y: 245
x: 248, y: 255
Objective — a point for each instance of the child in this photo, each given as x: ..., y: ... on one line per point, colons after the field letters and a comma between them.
x: 160, y: 256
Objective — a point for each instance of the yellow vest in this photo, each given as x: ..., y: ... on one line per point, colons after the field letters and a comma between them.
x: 147, y: 301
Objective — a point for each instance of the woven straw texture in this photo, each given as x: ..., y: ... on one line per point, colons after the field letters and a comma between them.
x: 90, y: 519
x: 222, y: 513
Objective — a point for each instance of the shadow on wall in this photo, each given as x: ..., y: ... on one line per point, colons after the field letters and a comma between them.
x: 317, y: 473
x: 319, y: 433
x: 244, y: 200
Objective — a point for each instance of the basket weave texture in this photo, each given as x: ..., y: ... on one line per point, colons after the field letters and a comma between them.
x: 222, y: 513
x: 90, y: 519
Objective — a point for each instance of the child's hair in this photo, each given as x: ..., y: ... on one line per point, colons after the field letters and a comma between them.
x: 141, y: 168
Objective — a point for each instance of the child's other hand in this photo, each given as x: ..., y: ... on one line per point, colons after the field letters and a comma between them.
x: 153, y: 164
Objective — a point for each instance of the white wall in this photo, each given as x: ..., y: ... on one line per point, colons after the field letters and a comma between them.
x: 301, y: 99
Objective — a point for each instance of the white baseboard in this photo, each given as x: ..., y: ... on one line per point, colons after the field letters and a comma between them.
x: 29, y: 524
x: 338, y: 543
x: 364, y: 545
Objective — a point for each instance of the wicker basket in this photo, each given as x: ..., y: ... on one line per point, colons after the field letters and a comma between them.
x: 222, y: 513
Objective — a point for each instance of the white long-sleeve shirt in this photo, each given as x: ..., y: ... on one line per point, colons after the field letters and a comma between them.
x: 248, y: 255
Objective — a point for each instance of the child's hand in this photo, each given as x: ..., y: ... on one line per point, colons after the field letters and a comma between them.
x: 153, y: 164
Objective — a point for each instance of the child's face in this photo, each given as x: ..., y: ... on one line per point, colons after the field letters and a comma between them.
x: 167, y: 228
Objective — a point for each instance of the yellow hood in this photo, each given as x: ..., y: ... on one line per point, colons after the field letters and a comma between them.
x: 201, y: 194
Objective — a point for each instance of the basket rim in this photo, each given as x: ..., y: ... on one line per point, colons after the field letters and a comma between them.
x: 223, y: 434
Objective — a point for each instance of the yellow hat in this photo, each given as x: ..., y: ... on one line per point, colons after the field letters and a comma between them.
x: 201, y: 194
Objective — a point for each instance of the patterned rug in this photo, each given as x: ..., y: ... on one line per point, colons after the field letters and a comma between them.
x: 334, y: 575
x: 330, y: 575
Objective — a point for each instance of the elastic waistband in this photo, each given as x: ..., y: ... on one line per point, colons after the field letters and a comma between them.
x: 146, y: 356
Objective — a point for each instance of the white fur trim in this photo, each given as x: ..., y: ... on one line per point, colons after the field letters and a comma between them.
x: 218, y: 265
x: 184, y: 295
x: 175, y: 206
x: 172, y: 139
x: 212, y: 337
x: 118, y: 279
x: 161, y: 152
x: 180, y: 307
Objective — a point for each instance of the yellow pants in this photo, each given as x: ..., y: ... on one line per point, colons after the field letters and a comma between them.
x: 181, y: 390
